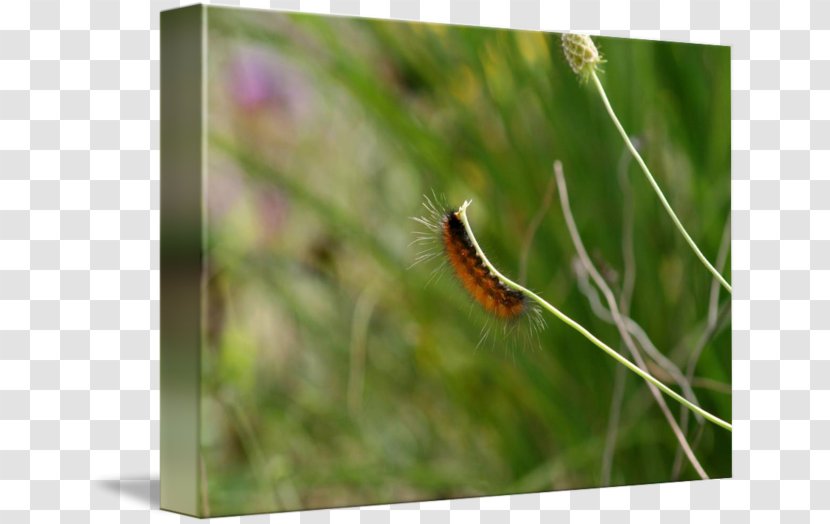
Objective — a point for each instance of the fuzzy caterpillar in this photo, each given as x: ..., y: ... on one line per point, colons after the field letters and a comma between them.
x: 447, y: 238
x: 483, y: 286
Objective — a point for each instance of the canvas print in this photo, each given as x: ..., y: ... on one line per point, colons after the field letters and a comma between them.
x: 407, y: 262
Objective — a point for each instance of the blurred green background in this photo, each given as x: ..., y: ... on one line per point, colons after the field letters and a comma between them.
x: 334, y: 374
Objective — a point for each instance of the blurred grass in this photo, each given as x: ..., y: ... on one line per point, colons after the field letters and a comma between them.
x: 312, y: 183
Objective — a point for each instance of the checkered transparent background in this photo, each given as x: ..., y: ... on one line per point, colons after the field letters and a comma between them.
x: 79, y: 270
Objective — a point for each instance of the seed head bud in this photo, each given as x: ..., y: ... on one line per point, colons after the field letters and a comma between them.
x: 581, y: 53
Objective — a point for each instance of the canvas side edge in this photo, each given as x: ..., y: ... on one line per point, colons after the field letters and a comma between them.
x: 181, y: 253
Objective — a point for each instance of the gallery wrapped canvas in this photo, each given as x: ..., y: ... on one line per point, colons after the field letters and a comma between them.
x: 406, y: 262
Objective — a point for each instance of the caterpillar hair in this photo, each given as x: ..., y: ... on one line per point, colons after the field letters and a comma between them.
x: 447, y: 236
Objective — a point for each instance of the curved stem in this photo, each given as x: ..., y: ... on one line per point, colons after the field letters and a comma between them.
x: 617, y: 319
x: 462, y: 215
x: 654, y: 185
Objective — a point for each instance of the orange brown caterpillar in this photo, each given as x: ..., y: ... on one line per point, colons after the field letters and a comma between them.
x: 485, y: 288
x: 446, y: 237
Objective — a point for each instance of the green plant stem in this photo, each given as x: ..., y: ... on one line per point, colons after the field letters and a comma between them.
x: 654, y: 185
x: 462, y: 215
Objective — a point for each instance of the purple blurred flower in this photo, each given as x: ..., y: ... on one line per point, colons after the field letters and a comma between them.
x: 252, y: 82
x: 259, y: 82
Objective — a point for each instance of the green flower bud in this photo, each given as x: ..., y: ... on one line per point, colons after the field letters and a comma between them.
x: 581, y: 53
